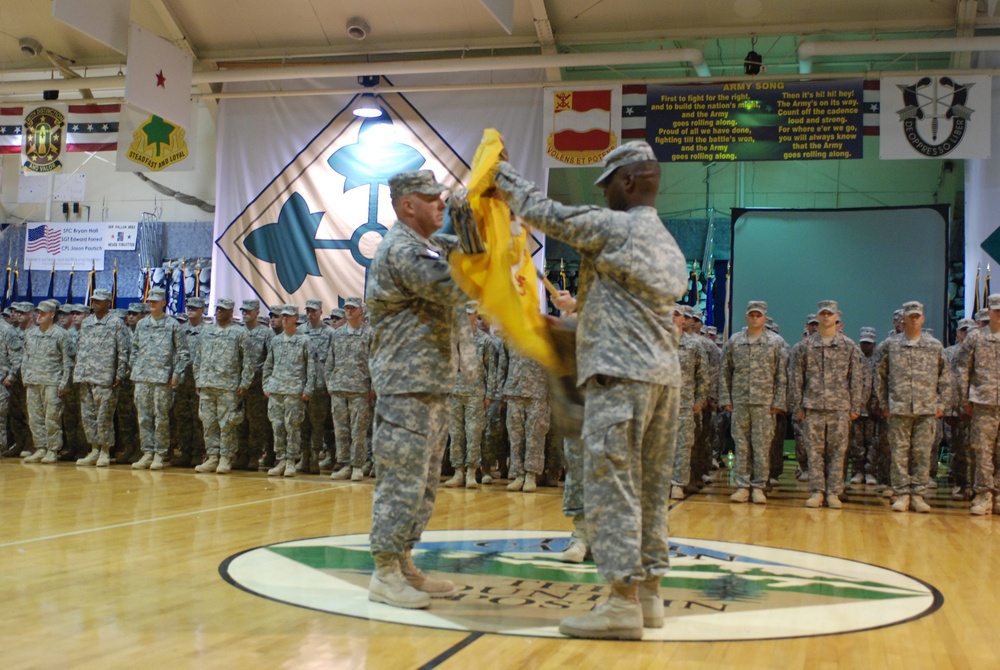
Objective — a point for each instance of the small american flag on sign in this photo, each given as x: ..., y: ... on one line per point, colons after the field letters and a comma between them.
x: 44, y: 237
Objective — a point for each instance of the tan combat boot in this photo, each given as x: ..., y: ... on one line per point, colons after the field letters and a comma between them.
x: 342, y: 473
x: 388, y: 585
x: 919, y: 505
x: 578, y: 547
x: 741, y: 495
x: 902, y: 503
x: 278, y: 469
x: 144, y: 462
x: 529, y: 483
x: 224, y: 467
x: 517, y: 484
x: 618, y: 618
x: 815, y: 500
x: 470, y: 478
x: 758, y: 497
x: 415, y: 577
x: 984, y: 505
x: 158, y: 462
x: 651, y: 603
x: 457, y: 480
x: 51, y: 456
x: 90, y: 458
x: 104, y: 459
x: 210, y: 465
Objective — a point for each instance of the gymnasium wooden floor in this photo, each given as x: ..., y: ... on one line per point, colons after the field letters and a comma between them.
x: 115, y: 568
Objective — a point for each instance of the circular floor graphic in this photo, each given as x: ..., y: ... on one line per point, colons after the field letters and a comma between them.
x: 510, y: 583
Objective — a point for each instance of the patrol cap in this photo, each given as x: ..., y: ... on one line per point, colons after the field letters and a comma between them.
x: 337, y: 313
x: 79, y: 308
x: 135, y: 308
x: 156, y: 294
x: 826, y: 306
x: 225, y: 303
x: 7, y: 311
x: 63, y: 309
x: 772, y: 325
x: 965, y: 324
x: 101, y: 294
x: 811, y: 319
x: 414, y: 181
x: 352, y: 301
x: 993, y: 301
x: 48, y: 306
x: 181, y: 318
x: 914, y: 307
x: 249, y: 305
x: 25, y: 307
x: 711, y: 330
x: 982, y: 315
x: 867, y: 335
x: 626, y: 154
x: 195, y: 302
x: 289, y: 310
x: 314, y: 304
x: 120, y: 312
x: 897, y: 315
x: 697, y: 314
x: 757, y: 306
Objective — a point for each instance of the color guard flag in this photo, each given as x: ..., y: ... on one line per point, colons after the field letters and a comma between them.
x: 581, y: 125
x: 147, y: 142
x: 158, y: 77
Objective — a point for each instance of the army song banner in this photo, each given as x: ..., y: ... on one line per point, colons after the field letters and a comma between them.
x: 925, y: 116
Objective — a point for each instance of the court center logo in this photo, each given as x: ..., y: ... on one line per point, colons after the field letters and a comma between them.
x: 509, y: 582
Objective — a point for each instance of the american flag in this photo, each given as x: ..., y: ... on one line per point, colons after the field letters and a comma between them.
x: 44, y: 237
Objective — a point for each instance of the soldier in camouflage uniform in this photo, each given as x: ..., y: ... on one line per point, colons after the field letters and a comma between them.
x: 46, y: 368
x: 318, y: 411
x: 825, y: 378
x: 102, y: 363
x: 526, y: 394
x: 632, y: 272
x: 10, y: 345
x: 187, y: 432
x: 349, y: 384
x: 469, y: 401
x: 912, y: 383
x: 159, y: 362
x: 957, y: 421
x: 864, y: 428
x: 74, y: 435
x: 979, y: 389
x: 23, y: 320
x: 753, y: 386
x: 256, y: 437
x: 495, y: 446
x: 704, y: 431
x: 695, y: 382
x: 224, y: 365
x: 289, y: 379
x: 126, y: 414
x: 411, y: 301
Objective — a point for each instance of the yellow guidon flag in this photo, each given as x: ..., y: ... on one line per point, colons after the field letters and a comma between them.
x: 503, y: 278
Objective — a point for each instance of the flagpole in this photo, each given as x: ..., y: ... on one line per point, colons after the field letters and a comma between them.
x: 986, y: 288
x: 975, y: 293
x: 729, y: 284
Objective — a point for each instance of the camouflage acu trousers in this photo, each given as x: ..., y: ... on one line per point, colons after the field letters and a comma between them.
x: 351, y: 418
x: 45, y: 409
x: 826, y: 434
x: 629, y: 430
x: 467, y: 423
x: 573, y: 489
x: 863, y: 445
x: 97, y: 412
x: 683, y: 447
x: 188, y: 431
x: 911, y: 441
x: 983, y: 437
x: 411, y: 431
x: 527, y: 424
x: 287, y: 413
x: 255, y: 431
x: 221, y: 413
x: 4, y: 410
x: 959, y: 461
x: 153, y: 402
x: 317, y: 413
x: 753, y: 432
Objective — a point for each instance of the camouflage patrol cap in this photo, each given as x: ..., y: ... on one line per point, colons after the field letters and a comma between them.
x: 48, y: 306
x: 135, y: 308
x: 982, y: 315
x: 626, y: 154
x: 914, y: 307
x: 156, y: 294
x: 994, y: 301
x: 144, y: 308
x: 8, y: 311
x: 867, y: 334
x: 827, y: 306
x: 414, y: 181
x: 314, y: 304
x: 195, y: 302
x: 687, y: 311
x: 353, y: 301
x: 290, y: 310
x: 772, y: 325
x: 79, y: 308
x: 757, y: 306
x: 897, y: 315
x: 965, y: 324
x: 63, y: 309
x: 25, y: 307
x: 697, y: 314
x: 337, y: 313
x: 250, y: 305
x: 711, y: 330
x: 120, y: 312
x: 811, y: 319
x: 101, y: 294
x: 225, y: 303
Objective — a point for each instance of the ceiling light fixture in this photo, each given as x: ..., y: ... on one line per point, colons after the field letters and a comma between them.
x: 367, y: 106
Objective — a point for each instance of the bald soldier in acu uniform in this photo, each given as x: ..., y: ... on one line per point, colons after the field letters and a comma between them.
x: 631, y: 274
x: 411, y: 301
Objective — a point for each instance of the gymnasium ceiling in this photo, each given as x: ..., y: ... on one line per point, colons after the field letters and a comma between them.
x: 226, y: 35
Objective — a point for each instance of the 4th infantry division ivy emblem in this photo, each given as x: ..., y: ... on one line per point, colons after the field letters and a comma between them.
x: 157, y: 144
